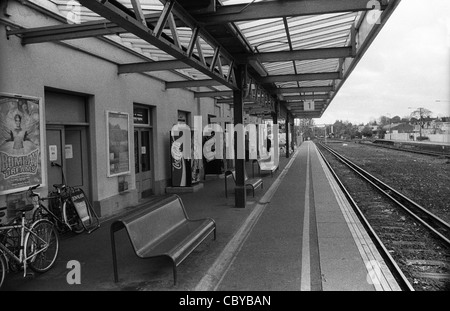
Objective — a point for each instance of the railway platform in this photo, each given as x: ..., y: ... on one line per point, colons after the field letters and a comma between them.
x: 297, y: 234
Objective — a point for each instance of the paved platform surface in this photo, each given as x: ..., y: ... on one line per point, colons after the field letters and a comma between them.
x: 296, y: 234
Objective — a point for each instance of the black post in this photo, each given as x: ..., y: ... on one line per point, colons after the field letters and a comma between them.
x: 240, y: 192
x: 287, y: 124
x: 275, y: 121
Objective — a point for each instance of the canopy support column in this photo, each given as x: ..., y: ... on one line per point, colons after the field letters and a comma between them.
x: 239, y: 138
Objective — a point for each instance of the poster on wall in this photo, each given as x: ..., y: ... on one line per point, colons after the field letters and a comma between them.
x: 180, y: 167
x: 21, y: 138
x: 196, y: 163
x: 117, y: 137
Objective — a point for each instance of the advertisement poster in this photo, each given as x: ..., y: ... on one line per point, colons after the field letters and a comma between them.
x: 21, y: 137
x: 117, y: 136
x: 180, y: 167
x: 196, y: 163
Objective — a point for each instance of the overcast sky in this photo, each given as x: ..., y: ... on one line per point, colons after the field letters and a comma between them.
x: 407, y: 65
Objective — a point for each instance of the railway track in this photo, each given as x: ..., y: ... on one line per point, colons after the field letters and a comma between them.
x: 409, y: 149
x: 425, y: 152
x: 415, y: 243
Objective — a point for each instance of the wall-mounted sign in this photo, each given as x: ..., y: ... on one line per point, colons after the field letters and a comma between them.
x: 141, y: 115
x: 53, y: 153
x: 117, y: 137
x: 21, y: 148
x: 68, y: 149
x: 308, y: 105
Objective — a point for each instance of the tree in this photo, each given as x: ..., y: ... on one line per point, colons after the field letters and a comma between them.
x: 344, y: 129
x: 420, y: 114
x: 367, y: 131
x: 305, y: 127
x: 396, y: 119
x: 384, y: 120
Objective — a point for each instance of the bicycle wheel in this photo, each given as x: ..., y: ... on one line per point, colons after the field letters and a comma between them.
x: 3, y: 268
x: 41, y: 245
x: 55, y: 215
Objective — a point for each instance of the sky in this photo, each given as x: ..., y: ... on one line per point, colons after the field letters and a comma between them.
x: 406, y: 67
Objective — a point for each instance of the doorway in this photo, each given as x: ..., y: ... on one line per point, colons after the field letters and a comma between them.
x: 67, y: 146
x: 67, y: 137
x: 143, y: 151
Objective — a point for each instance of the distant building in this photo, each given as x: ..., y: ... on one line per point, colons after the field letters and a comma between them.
x: 399, y: 127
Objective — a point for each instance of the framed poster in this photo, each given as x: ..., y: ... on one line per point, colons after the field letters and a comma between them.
x: 21, y: 143
x: 118, y: 140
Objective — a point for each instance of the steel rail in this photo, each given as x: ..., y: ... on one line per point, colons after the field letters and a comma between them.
x: 400, y: 277
x: 433, y: 223
x: 430, y: 153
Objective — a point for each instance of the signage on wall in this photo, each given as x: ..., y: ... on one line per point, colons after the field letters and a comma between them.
x: 53, y: 153
x: 68, y: 151
x: 117, y: 137
x: 140, y: 115
x: 21, y: 148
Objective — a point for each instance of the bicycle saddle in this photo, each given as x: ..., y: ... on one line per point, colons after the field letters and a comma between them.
x: 25, y: 208
x: 59, y: 186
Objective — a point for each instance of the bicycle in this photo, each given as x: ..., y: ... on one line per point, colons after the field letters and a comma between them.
x: 60, y: 209
x: 68, y: 208
x: 26, y: 243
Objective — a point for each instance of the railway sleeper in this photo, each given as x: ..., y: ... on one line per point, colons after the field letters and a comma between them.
x: 432, y: 275
x: 420, y: 262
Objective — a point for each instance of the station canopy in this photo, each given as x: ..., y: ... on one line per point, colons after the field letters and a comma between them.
x: 294, y: 55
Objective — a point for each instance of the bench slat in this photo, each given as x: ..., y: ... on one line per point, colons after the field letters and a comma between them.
x: 155, y: 224
x: 180, y: 241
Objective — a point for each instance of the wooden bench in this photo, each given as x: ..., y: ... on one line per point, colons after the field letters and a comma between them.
x: 253, y: 183
x: 162, y: 228
x: 264, y: 165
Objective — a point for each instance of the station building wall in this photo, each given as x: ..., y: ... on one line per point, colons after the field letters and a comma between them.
x: 88, y: 67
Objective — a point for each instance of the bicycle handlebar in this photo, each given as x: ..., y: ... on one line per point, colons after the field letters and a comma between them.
x: 34, y: 187
x: 62, y: 171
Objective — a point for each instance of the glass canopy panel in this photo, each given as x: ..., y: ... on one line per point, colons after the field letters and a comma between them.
x: 315, y: 66
x: 279, y: 68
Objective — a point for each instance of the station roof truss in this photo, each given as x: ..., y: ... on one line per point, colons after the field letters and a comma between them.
x: 297, y: 53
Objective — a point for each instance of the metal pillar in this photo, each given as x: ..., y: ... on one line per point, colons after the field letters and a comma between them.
x: 239, y: 139
x: 287, y: 125
x: 275, y: 123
